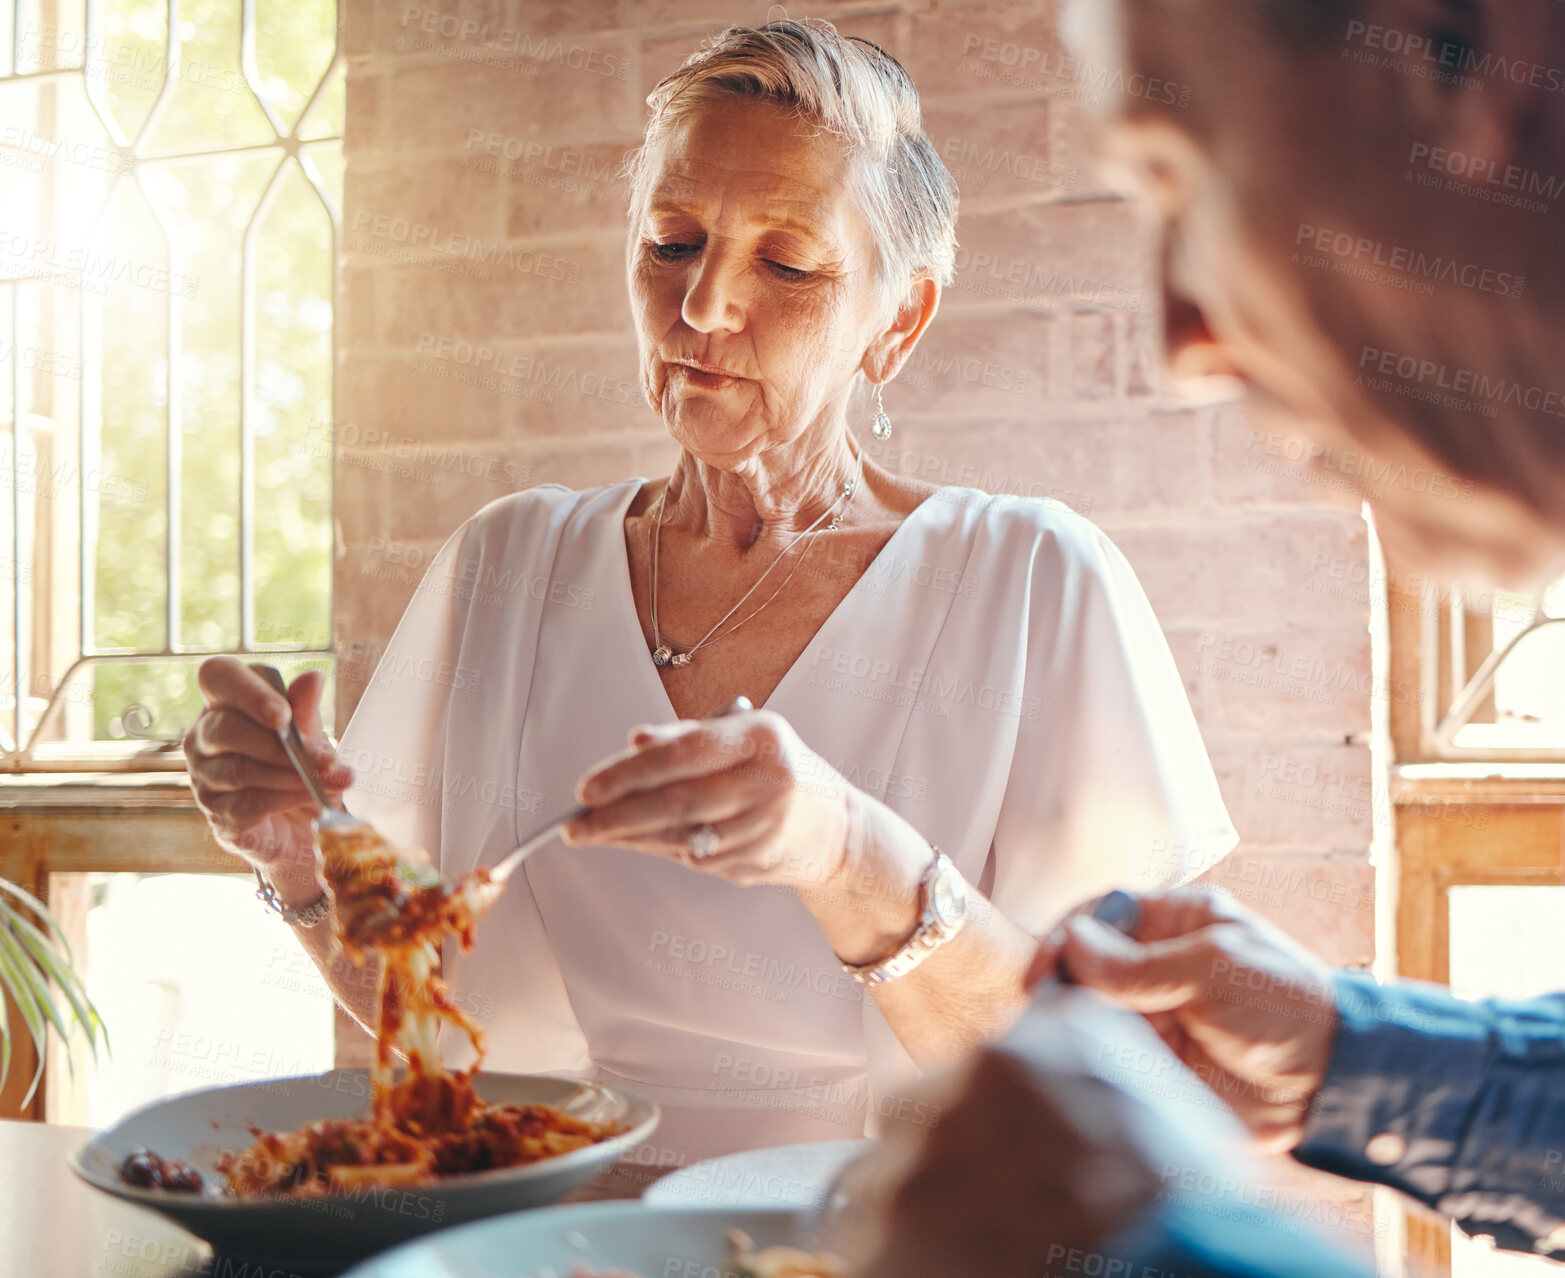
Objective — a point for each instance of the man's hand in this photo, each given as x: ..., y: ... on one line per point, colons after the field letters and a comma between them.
x: 1247, y: 1008
x: 1021, y: 1164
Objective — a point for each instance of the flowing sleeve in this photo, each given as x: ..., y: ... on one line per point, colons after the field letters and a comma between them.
x: 434, y: 746
x: 1110, y: 784
x: 397, y: 735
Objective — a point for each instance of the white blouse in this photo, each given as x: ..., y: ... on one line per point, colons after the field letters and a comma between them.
x: 996, y: 676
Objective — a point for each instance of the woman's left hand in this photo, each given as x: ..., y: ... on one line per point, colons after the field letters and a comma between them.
x: 776, y: 811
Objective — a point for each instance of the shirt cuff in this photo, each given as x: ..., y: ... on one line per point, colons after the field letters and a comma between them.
x: 1407, y: 1065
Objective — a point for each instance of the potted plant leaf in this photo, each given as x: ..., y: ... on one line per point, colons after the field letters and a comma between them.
x: 35, y: 963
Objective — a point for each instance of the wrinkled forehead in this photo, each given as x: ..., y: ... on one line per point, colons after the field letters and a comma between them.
x: 750, y: 150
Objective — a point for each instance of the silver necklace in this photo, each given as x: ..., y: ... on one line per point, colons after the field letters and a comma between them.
x: 662, y: 654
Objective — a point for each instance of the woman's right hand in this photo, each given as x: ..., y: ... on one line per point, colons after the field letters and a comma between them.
x: 255, y: 802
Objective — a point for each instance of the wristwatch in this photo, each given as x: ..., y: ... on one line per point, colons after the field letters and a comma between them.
x: 945, y: 911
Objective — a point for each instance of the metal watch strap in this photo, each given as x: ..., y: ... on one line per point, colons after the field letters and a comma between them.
x: 316, y: 911
x: 927, y: 937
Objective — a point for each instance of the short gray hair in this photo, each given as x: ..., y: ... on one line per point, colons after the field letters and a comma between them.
x: 850, y: 88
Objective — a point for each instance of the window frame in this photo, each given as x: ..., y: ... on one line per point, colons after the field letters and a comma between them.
x: 1453, y: 674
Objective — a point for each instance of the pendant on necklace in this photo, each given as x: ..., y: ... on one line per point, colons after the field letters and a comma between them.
x: 662, y: 656
x: 679, y: 659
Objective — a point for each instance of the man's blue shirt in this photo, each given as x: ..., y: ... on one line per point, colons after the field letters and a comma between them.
x: 1458, y: 1104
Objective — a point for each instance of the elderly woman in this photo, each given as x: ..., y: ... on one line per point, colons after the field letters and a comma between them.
x: 970, y: 717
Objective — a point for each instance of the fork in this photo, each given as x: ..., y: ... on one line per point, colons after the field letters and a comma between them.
x: 333, y: 816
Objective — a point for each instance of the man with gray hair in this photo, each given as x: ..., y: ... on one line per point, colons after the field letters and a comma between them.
x: 1359, y: 208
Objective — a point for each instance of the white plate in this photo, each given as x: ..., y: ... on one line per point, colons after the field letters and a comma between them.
x: 329, y: 1233
x: 549, y: 1244
x: 789, y: 1176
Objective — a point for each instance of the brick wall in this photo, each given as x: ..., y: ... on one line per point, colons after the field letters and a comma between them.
x: 486, y: 345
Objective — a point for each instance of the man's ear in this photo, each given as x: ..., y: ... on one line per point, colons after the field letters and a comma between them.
x: 889, y: 351
x: 1477, y: 70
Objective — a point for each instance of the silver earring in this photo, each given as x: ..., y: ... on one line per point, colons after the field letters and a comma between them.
x: 881, y: 429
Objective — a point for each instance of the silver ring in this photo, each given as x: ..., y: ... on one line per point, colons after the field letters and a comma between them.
x: 702, y: 841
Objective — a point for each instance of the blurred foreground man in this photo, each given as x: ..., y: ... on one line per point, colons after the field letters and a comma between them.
x: 1361, y: 208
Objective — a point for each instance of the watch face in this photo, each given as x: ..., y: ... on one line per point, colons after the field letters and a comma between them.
x: 948, y: 898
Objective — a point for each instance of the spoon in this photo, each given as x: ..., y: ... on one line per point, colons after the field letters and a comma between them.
x: 482, y: 892
x: 501, y: 871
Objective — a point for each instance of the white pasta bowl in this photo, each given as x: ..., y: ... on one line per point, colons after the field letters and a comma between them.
x: 589, y: 1237
x: 325, y: 1234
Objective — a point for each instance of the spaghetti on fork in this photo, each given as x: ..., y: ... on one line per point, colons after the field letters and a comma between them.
x: 389, y: 902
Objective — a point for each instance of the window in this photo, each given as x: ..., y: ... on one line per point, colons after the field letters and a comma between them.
x: 170, y: 184
x: 168, y: 217
x: 1489, y: 686
x: 200, y: 989
x: 1477, y: 723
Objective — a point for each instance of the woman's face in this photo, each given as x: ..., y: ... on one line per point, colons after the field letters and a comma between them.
x: 752, y: 282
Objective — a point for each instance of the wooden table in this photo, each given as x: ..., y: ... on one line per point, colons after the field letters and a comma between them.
x: 54, y: 1226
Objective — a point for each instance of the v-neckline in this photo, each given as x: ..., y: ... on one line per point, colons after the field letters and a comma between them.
x: 627, y: 597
